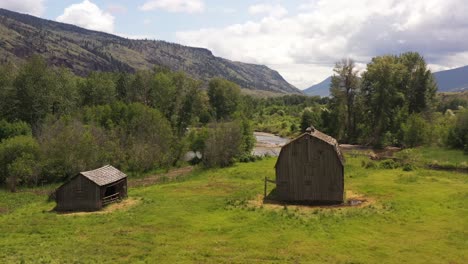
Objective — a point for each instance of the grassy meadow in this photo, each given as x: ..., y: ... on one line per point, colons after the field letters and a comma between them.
x: 418, y: 216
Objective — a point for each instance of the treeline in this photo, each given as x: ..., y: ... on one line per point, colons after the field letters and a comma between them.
x: 54, y: 124
x: 393, y: 103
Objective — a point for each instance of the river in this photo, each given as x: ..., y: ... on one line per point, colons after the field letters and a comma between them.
x: 268, y: 144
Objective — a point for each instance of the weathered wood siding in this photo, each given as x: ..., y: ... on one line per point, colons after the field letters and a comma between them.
x: 309, y: 170
x: 78, y: 194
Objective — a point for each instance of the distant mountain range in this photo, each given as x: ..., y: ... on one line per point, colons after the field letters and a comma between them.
x: 321, y: 89
x: 84, y: 50
x: 454, y: 80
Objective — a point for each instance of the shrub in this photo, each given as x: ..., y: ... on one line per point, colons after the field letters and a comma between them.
x: 18, y: 160
x: 8, y: 130
x: 414, y: 131
x: 388, y: 164
x: 223, y: 145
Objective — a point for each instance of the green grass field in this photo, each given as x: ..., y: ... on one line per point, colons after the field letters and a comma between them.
x: 419, y: 216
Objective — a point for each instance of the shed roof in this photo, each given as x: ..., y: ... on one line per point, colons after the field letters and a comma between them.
x: 104, y: 175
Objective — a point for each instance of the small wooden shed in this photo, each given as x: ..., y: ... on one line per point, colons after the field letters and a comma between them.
x: 91, y: 190
x: 310, y: 169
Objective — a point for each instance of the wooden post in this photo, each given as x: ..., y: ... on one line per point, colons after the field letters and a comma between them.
x: 265, y: 190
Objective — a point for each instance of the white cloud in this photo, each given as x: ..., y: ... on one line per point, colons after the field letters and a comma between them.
x: 183, y: 6
x: 271, y: 10
x: 32, y: 7
x: 304, y: 46
x: 88, y: 15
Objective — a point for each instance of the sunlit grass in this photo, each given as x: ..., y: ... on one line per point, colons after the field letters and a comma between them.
x: 419, y: 216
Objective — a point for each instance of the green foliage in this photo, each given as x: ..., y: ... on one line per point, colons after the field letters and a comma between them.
x: 345, y: 85
x: 98, y: 89
x: 310, y: 118
x: 224, y: 97
x: 458, y: 134
x: 389, y: 164
x: 415, y: 131
x: 34, y: 86
x: 223, y: 144
x: 8, y: 130
x: 141, y: 133
x: 68, y: 147
x: 18, y: 160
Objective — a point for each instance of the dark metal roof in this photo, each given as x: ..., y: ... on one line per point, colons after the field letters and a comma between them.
x: 104, y: 175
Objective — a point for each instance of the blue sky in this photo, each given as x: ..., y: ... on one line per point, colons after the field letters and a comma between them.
x: 301, y: 39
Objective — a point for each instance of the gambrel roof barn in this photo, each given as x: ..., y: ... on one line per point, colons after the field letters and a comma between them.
x: 310, y: 169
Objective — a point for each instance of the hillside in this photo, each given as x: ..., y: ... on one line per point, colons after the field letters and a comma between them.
x: 84, y: 50
x: 321, y: 89
x: 453, y: 80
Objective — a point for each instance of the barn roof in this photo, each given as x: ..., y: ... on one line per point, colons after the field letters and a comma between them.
x: 104, y: 175
x: 330, y: 140
x: 325, y: 138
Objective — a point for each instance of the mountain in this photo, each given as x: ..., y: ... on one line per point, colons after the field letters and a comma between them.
x: 84, y: 50
x: 453, y: 80
x: 321, y: 89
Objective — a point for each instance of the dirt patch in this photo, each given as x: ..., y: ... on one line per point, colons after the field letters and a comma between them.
x: 154, y: 179
x: 352, y: 200
x: 120, y: 206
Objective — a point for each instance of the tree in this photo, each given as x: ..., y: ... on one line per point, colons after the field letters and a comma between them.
x: 224, y: 98
x: 383, y: 99
x: 97, y: 89
x: 18, y: 160
x: 310, y: 118
x: 343, y: 89
x: 394, y: 87
x: 420, y: 87
x: 34, y: 86
x: 222, y: 145
x: 7, y: 91
x: 122, y: 87
x: 415, y: 131
x: 8, y: 130
x: 458, y: 134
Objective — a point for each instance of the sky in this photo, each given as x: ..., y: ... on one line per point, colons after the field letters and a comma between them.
x: 301, y: 39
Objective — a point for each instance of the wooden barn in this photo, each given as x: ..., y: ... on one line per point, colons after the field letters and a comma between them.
x: 310, y: 169
x: 91, y: 190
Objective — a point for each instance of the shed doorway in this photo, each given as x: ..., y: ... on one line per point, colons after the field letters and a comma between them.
x: 110, y: 191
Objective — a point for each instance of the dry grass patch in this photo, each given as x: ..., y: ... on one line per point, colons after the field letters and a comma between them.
x: 353, y: 199
x: 119, y: 206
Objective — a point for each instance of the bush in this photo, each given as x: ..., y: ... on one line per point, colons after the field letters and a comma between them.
x: 458, y: 134
x: 388, y: 164
x: 8, y: 130
x: 414, y: 131
x: 223, y: 145
x: 18, y: 161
